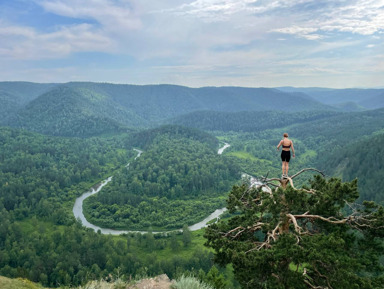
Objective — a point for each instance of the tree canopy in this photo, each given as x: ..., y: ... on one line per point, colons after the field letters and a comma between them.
x: 312, y: 237
x: 179, y: 179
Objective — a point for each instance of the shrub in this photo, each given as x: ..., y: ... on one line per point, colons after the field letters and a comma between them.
x: 188, y: 282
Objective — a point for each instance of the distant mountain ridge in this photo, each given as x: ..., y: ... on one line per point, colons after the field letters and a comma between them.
x: 23, y: 92
x: 366, y: 98
x: 87, y: 108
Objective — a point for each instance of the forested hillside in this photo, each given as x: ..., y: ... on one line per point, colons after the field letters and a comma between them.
x: 316, y: 142
x: 40, y: 240
x: 367, y: 98
x: 339, y: 130
x: 65, y: 111
x: 374, y: 101
x: 37, y: 172
x: 23, y: 92
x: 9, y: 106
x: 87, y: 109
x: 147, y: 138
x: 247, y: 121
x: 164, y: 101
x: 177, y: 181
x: 363, y: 160
x: 89, y: 132
x: 350, y: 106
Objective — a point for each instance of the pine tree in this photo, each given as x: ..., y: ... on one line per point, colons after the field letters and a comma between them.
x: 187, y: 236
x: 312, y: 237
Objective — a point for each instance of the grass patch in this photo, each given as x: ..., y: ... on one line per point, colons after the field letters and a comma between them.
x: 185, y: 282
x: 309, y: 154
x: 297, y: 268
x: 242, y: 155
x: 165, y: 253
x: 7, y: 283
x: 247, y: 156
x: 31, y: 225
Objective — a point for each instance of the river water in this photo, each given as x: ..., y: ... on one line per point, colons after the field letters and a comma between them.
x: 78, y: 207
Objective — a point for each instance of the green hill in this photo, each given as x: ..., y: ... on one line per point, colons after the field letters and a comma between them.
x: 363, y: 160
x: 368, y: 98
x: 23, y: 92
x: 164, y: 101
x: 350, y: 106
x: 247, y: 121
x: 146, y: 138
x: 317, y: 143
x: 339, y: 130
x: 68, y: 112
x: 86, y: 108
x: 8, y: 107
x: 374, y: 101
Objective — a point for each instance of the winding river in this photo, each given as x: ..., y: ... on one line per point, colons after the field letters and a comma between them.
x: 78, y: 207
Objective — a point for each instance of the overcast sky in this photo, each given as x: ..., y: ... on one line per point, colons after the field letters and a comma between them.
x: 254, y: 43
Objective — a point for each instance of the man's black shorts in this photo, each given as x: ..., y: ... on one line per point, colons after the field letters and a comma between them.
x: 285, y: 156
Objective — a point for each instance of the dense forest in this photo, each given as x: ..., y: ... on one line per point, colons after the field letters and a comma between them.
x: 89, y: 132
x: 247, y: 121
x: 308, y: 237
x: 90, y: 109
x: 39, y: 237
x: 39, y: 172
x: 324, y: 143
x: 362, y: 160
x: 176, y: 181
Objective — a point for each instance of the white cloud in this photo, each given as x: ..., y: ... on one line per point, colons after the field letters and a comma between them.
x: 304, y: 32
x: 16, y: 31
x: 364, y: 17
x: 206, y: 41
x: 110, y: 14
x: 219, y: 10
x: 26, y: 43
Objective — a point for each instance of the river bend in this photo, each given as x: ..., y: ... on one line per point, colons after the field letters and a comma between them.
x: 78, y: 207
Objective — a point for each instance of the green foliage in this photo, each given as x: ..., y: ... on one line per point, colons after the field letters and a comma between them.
x: 368, y: 98
x: 38, y: 172
x: 40, y: 177
x: 334, y: 250
x: 247, y: 121
x: 340, y: 145
x: 23, y: 92
x: 187, y: 236
x: 9, y: 106
x: 72, y: 255
x: 186, y: 282
x: 363, y: 160
x: 69, y: 112
x: 177, y: 180
x: 6, y: 283
x: 89, y: 109
x: 337, y: 131
x: 180, y: 174
x: 216, y: 279
x: 146, y: 138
